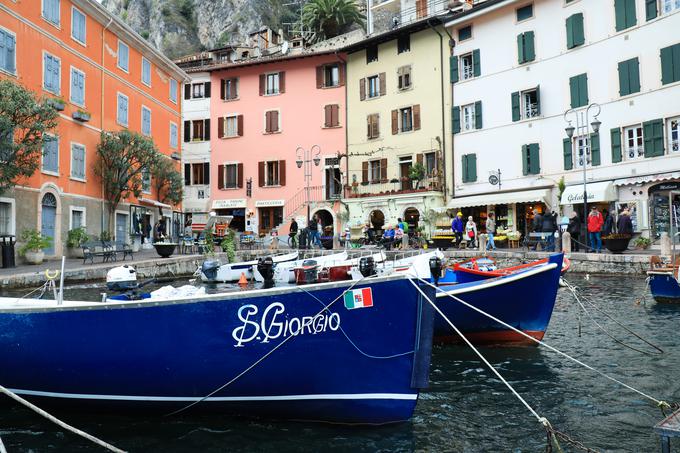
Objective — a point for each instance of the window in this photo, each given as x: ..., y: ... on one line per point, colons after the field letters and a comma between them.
x: 197, y: 174
x: 468, y: 117
x: 372, y: 53
x: 197, y: 90
x: 77, y: 87
x: 78, y: 161
x: 196, y: 130
x: 173, y: 135
x: 633, y: 142
x: 123, y: 56
x: 469, y: 166
x: 146, y: 180
x: 78, y: 25
x: 430, y: 163
x: 331, y: 75
x: 373, y: 121
x: 51, y: 74
x: 530, y: 159
x: 526, y: 104
x: 77, y: 217
x: 122, y: 114
x: 271, y: 122
x: 406, y: 119
x: 146, y: 121
x: 272, y: 86
x: 624, y: 14
x: 466, y: 68
x: 578, y: 89
x: 668, y: 6
x: 373, y: 87
x: 6, y: 217
x: 629, y: 77
x: 404, y: 77
x: 375, y: 170
x: 272, y: 173
x: 582, y: 146
x: 674, y: 134
x: 230, y: 126
x: 403, y: 43
x: 50, y: 11
x: 229, y: 89
x: 525, y: 47
x: 173, y: 91
x: 231, y: 176
x: 7, y: 52
x: 50, y: 155
x: 575, y: 33
x: 525, y: 12
x: 146, y: 72
x: 670, y: 64
x: 465, y: 33
x: 331, y: 115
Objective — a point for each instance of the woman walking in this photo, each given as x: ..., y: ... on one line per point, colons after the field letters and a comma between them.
x: 471, y: 232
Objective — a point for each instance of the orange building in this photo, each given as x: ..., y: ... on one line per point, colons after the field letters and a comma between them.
x: 102, y: 76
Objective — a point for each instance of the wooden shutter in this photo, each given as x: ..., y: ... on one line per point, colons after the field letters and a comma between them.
x: 416, y: 117
x: 595, y: 149
x: 616, y: 145
x: 364, y: 172
x: 223, y: 89
x: 472, y: 167
x: 282, y: 172
x: 653, y: 138
x: 239, y: 176
x: 463, y: 166
x: 525, y: 160
x: 567, y: 154
x: 620, y: 14
x: 651, y: 9
x: 262, y: 84
x: 260, y: 174
x: 478, y: 115
x: 453, y: 68
x: 383, y: 170
x: 206, y: 90
x: 538, y: 100
x: 206, y: 173
x: 341, y: 74
x: 419, y: 158
x: 220, y: 177
x: 335, y: 115
x: 187, y: 131
x: 529, y: 52
x: 573, y: 92
x: 383, y: 84
x: 187, y: 174
x: 667, y: 75
x: 583, y: 88
x: 534, y: 163
x: 515, y: 105
x: 187, y: 91
x: 476, y: 63
x: 362, y: 89
x: 395, y: 122
x: 282, y: 82
x: 206, y: 129
x: 455, y: 119
x: 579, y: 33
x: 239, y: 121
x: 520, y: 49
x: 327, y: 116
x: 220, y: 127
x: 634, y: 75
x: 268, y: 122
x: 369, y: 126
x: 319, y: 76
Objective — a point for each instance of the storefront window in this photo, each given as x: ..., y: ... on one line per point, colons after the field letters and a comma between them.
x: 660, y: 209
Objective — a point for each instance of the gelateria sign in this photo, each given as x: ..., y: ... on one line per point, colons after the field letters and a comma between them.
x: 597, y: 192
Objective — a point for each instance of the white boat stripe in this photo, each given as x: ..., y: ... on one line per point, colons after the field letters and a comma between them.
x: 331, y: 396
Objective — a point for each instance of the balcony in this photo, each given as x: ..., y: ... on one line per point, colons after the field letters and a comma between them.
x: 394, y: 187
x: 390, y: 14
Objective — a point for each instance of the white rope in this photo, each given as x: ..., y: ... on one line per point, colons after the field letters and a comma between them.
x: 2, y: 447
x: 641, y: 393
x: 54, y: 419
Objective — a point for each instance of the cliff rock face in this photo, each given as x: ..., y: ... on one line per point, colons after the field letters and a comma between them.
x: 180, y: 27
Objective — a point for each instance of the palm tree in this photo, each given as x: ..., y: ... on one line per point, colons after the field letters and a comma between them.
x: 328, y: 18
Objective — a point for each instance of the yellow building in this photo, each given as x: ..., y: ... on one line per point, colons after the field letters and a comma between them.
x: 398, y: 125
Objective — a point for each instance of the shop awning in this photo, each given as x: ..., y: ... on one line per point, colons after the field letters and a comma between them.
x: 597, y: 192
x: 527, y: 196
x: 154, y: 203
x: 648, y: 178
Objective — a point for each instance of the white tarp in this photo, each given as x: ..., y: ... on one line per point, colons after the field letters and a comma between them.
x: 597, y: 192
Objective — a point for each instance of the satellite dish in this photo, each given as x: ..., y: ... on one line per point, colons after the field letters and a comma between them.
x: 285, y: 47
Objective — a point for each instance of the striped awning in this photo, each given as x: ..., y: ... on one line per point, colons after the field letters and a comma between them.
x: 526, y: 196
x: 647, y: 178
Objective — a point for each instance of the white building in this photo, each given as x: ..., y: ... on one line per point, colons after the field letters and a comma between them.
x: 518, y: 65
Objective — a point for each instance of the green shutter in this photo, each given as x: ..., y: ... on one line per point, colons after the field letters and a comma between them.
x: 676, y: 62
x: 453, y: 67
x: 464, y: 167
x: 478, y: 115
x: 570, y: 32
x: 534, y: 163
x: 620, y: 14
x: 476, y: 63
x: 631, y: 17
x: 455, y: 119
x: 567, y: 153
x: 583, y: 89
x: 575, y: 32
x: 520, y: 49
x: 616, y: 145
x: 573, y: 91
x: 624, y: 79
x: 667, y: 65
x: 525, y: 160
x: 515, y: 106
x: 529, y: 52
x: 651, y: 9
x: 472, y: 167
x: 634, y: 75
x: 653, y: 138
x: 595, y: 149
x: 538, y: 100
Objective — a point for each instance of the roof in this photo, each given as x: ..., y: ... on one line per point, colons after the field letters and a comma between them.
x: 481, y: 8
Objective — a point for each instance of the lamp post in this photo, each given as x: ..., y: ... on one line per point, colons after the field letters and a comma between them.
x: 307, y: 157
x: 582, y: 133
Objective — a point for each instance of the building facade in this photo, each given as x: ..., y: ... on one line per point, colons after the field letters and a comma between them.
x: 510, y: 97
x: 101, y: 76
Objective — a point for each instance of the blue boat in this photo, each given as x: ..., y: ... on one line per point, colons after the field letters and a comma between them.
x: 276, y: 353
x: 664, y: 286
x: 524, y: 299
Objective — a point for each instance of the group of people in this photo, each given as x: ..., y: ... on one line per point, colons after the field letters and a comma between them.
x: 598, y: 224
x: 308, y: 236
x: 393, y: 235
x: 469, y: 231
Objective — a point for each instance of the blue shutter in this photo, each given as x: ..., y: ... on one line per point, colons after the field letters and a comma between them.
x: 7, y: 46
x: 173, y: 135
x: 51, y: 155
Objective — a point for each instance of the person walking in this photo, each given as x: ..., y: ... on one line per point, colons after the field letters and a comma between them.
x: 292, y: 233
x: 574, y: 229
x: 537, y: 226
x: 490, y: 231
x: 457, y: 228
x: 595, y: 222
x: 625, y: 223
x: 471, y: 232
x: 313, y: 232
x: 548, y: 228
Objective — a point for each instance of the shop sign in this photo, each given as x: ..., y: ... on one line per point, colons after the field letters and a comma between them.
x: 269, y: 203
x: 229, y: 204
x: 665, y: 186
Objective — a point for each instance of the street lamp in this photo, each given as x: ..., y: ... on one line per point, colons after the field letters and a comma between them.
x: 307, y: 157
x: 582, y: 132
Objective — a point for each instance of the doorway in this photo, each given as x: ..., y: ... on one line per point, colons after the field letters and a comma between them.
x: 326, y: 219
x: 270, y: 217
x: 48, y: 220
x: 404, y: 170
x: 121, y: 227
x: 411, y: 217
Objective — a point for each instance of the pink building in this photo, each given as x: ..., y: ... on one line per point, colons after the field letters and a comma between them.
x: 264, y: 109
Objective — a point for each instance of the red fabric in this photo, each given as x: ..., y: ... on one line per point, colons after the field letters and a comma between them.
x: 595, y: 222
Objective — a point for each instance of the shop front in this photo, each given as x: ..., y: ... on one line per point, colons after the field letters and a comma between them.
x: 661, y: 208
x: 236, y: 208
x: 270, y: 215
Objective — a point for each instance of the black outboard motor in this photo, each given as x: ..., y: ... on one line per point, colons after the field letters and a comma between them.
x: 303, y: 239
x: 209, y: 269
x: 436, y: 269
x: 367, y: 266
x: 265, y: 266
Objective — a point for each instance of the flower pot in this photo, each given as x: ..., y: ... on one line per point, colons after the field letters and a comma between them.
x: 76, y: 252
x: 165, y: 249
x: 83, y: 117
x: 617, y: 245
x: 34, y: 257
x: 136, y: 243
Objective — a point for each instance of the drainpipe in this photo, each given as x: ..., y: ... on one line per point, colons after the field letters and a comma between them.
x: 101, y: 117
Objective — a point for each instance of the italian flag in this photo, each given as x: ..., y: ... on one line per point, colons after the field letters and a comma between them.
x: 358, y: 298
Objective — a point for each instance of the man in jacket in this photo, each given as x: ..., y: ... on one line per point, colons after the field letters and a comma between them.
x: 537, y: 225
x: 625, y: 224
x: 292, y: 232
x: 574, y: 229
x: 595, y: 222
x: 457, y: 228
x: 490, y: 231
x: 608, y: 227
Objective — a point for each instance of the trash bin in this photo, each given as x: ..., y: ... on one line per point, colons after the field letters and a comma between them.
x: 7, y: 242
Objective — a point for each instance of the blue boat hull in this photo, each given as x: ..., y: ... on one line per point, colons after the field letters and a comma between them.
x: 524, y: 300
x: 362, y: 365
x: 664, y: 287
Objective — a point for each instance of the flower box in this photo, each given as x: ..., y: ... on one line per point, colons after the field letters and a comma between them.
x: 81, y: 116
x: 57, y: 104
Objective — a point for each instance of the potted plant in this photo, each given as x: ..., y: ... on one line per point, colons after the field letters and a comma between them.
x: 416, y: 173
x: 616, y: 243
x: 642, y: 243
x: 81, y: 115
x: 57, y: 104
x: 76, y: 238
x: 34, y: 244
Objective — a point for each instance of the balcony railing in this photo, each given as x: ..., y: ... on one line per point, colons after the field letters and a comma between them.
x: 394, y: 187
x: 633, y: 152
x: 674, y: 145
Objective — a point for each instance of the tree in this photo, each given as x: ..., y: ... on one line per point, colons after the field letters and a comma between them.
x: 24, y: 120
x: 167, y: 181
x: 329, y: 18
x: 122, y: 157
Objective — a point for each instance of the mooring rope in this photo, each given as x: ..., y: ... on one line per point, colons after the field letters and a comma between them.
x: 54, y: 419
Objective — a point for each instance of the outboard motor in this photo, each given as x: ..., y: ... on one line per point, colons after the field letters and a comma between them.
x: 121, y: 278
x: 436, y: 269
x: 265, y: 266
x: 209, y: 269
x: 367, y: 266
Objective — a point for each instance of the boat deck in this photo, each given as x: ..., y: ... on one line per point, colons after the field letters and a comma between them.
x: 668, y: 428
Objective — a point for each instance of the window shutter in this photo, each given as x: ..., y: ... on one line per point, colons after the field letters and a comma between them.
x: 455, y: 119
x: 239, y: 121
x: 282, y: 82
x: 383, y: 170
x: 476, y: 63
x: 634, y: 75
x: 653, y: 138
x: 341, y: 74
x: 220, y: 177
x: 419, y: 158
x: 206, y: 173
x: 187, y: 131
x: 362, y: 89
x: 206, y: 89
x: 624, y: 79
x: 187, y: 91
x: 319, y: 76
x: 260, y: 174
x: 275, y: 121
x: 464, y: 167
x: 239, y: 176
x: 395, y: 122
x: 416, y: 117
x: 631, y: 18
x: 538, y: 100
x: 579, y: 32
x: 535, y: 166
x: 282, y: 172
x: 529, y: 52
x: 616, y: 145
x: 567, y: 154
x: 478, y: 115
x: 472, y: 167
x: 383, y: 84
x: 187, y: 174
x: 525, y: 160
x: 620, y: 14
x: 206, y: 129
x: 514, y: 98
x: 651, y: 9
x: 364, y: 172
x: 453, y: 68
x: 369, y: 126
x: 327, y: 116
x: 583, y: 88
x: 335, y: 115
x: 667, y: 65
x: 268, y: 122
x: 220, y: 127
x: 570, y: 32
x: 595, y: 149
x: 520, y: 49
x: 262, y: 84
x: 223, y: 89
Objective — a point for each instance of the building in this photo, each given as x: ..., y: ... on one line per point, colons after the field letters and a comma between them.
x: 101, y: 76
x: 519, y: 65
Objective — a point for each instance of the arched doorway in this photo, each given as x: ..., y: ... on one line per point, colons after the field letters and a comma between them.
x: 377, y: 219
x: 411, y: 217
x: 326, y: 219
x: 48, y: 220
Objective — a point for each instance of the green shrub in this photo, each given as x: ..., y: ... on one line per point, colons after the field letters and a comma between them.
x: 33, y: 242
x: 77, y: 237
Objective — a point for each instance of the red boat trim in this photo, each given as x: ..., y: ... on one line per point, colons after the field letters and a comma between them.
x: 463, y: 288
x: 504, y: 337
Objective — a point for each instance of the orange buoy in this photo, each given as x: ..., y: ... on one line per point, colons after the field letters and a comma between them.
x: 243, y: 281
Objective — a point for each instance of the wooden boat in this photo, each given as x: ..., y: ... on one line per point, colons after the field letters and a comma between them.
x: 663, y: 280
x: 484, y: 268
x: 214, y: 271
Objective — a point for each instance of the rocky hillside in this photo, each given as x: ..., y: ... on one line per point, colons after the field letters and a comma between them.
x: 180, y: 27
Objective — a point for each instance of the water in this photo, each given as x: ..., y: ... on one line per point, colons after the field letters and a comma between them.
x: 466, y: 408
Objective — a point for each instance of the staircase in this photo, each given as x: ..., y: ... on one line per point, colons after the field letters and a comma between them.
x: 298, y: 202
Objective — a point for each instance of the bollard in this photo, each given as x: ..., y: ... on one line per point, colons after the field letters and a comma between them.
x: 482, y: 242
x: 665, y: 244
x: 566, y: 242
x: 404, y: 241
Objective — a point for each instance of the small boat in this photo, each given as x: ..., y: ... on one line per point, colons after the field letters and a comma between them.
x: 284, y: 272
x: 214, y: 271
x: 523, y: 299
x: 345, y: 352
x: 663, y: 280
x: 311, y: 272
x: 484, y: 268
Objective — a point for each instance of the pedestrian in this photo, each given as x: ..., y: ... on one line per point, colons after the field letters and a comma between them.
x: 537, y: 225
x: 348, y: 238
x: 457, y: 227
x: 574, y: 229
x: 548, y: 228
x: 292, y: 233
x: 398, y: 236
x: 313, y: 231
x: 370, y: 234
x: 471, y: 232
x: 608, y: 226
x: 275, y: 239
x: 158, y: 232
x: 595, y: 222
x: 625, y: 223
x: 490, y: 231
